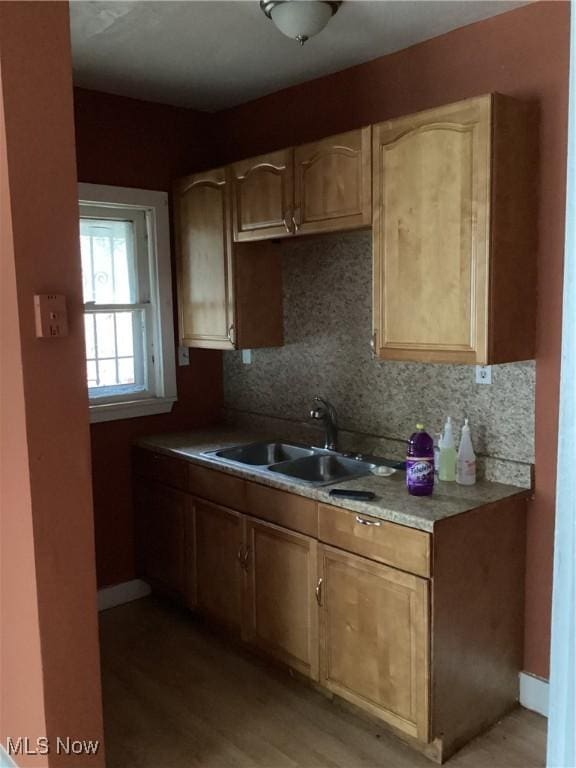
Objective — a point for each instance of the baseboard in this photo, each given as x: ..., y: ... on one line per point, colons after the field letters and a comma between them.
x: 5, y: 759
x: 109, y: 597
x: 534, y: 693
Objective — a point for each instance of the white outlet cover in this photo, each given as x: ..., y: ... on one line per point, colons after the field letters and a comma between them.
x: 483, y: 374
x: 183, y: 356
x: 247, y: 356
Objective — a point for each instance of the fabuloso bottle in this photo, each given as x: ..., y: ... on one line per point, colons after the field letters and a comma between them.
x: 420, y: 463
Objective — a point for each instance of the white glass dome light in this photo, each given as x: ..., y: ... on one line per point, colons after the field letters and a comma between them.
x: 299, y: 19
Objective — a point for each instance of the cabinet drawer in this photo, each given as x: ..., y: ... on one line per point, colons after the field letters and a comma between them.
x: 217, y: 486
x: 161, y: 468
x: 286, y: 509
x: 389, y: 543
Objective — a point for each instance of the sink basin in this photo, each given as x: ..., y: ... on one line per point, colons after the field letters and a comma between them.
x: 263, y: 454
x: 322, y: 469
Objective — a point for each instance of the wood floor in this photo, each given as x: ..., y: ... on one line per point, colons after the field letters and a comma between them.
x: 176, y: 696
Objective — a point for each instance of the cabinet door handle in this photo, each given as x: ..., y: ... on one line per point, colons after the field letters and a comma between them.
x: 240, y: 554
x: 319, y: 591
x: 245, y: 558
x: 373, y: 344
x: 296, y: 222
x: 287, y: 223
x: 363, y: 521
x: 231, y: 334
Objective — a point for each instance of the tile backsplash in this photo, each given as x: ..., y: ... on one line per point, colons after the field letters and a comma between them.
x: 327, y: 326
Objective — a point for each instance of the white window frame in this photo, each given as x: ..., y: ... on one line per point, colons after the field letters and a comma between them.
x: 163, y: 371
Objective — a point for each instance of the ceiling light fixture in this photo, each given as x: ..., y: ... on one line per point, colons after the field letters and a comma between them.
x: 300, y: 19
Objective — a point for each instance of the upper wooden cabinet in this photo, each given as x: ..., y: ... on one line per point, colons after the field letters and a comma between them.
x: 205, y: 272
x: 324, y: 186
x: 454, y: 233
x: 263, y: 196
x: 229, y: 297
x: 332, y: 183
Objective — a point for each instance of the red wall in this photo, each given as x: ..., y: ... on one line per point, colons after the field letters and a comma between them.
x: 523, y: 53
x: 132, y: 143
x: 49, y: 662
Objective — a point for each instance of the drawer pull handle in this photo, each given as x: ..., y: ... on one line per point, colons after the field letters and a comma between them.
x: 363, y: 521
x: 319, y: 592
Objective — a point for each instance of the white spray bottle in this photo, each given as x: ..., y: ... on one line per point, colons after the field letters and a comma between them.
x: 466, y: 464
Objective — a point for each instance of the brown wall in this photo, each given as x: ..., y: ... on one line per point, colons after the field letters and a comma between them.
x: 523, y: 53
x: 132, y: 143
x: 49, y: 673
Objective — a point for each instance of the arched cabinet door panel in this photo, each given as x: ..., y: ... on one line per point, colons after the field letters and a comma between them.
x: 453, y: 233
x: 205, y: 266
x: 333, y: 183
x: 263, y: 196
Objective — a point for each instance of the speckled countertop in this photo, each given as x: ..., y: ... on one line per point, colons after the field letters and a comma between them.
x: 392, y: 501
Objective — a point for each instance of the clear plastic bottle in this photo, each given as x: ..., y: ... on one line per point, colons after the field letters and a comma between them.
x: 447, y: 470
x: 420, y: 463
x: 466, y: 469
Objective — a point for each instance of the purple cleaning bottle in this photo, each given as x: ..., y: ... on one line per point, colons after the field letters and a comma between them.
x: 420, y: 463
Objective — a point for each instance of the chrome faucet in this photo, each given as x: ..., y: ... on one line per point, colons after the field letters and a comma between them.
x: 324, y: 411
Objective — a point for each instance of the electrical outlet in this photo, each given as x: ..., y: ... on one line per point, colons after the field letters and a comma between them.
x: 247, y: 356
x: 183, y: 356
x: 483, y: 374
x: 50, y: 315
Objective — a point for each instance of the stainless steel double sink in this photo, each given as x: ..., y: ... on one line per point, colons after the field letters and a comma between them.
x: 305, y: 464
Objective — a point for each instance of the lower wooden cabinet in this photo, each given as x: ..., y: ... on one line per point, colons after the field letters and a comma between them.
x: 162, y: 513
x: 374, y: 638
x: 422, y: 630
x: 218, y: 564
x: 281, y: 609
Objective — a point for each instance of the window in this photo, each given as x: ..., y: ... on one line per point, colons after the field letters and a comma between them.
x: 124, y: 244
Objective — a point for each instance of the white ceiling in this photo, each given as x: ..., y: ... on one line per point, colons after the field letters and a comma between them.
x: 210, y: 55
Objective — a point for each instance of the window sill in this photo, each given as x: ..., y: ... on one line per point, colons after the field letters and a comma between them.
x: 133, y: 409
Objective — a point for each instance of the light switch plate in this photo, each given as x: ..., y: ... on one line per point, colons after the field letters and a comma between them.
x: 483, y: 374
x: 183, y: 356
x: 50, y: 315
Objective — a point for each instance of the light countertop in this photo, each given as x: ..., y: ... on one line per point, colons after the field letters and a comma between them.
x: 392, y: 502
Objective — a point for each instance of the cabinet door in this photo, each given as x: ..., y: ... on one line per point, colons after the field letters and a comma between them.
x: 161, y: 514
x: 263, y: 196
x: 374, y: 638
x: 204, y: 253
x: 431, y: 176
x: 333, y: 183
x: 281, y: 608
x: 219, y: 575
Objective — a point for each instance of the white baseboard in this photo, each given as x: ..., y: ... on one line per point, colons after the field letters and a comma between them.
x: 534, y: 693
x: 109, y: 597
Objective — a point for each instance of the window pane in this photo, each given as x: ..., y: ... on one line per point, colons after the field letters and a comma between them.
x: 126, y: 370
x: 105, y: 334
x: 124, y: 335
x: 90, y: 338
x: 91, y: 372
x: 108, y: 261
x: 107, y: 373
x: 115, y: 344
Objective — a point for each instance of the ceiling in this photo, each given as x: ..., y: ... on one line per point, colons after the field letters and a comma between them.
x: 211, y: 55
